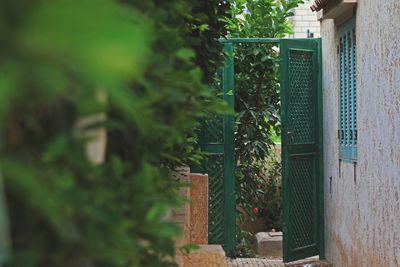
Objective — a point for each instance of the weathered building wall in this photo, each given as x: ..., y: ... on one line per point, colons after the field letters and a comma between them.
x: 304, y: 19
x: 362, y: 206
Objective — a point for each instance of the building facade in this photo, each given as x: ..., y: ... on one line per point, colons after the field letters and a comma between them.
x: 361, y: 98
x: 304, y: 22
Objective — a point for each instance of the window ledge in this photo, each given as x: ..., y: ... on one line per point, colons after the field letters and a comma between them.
x: 339, y: 10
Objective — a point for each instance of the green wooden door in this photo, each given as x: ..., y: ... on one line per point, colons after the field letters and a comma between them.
x: 217, y: 140
x: 301, y: 112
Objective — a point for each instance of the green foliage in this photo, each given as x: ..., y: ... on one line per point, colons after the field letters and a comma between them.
x: 244, y: 243
x: 208, y: 18
x: 261, y: 18
x: 132, y: 62
x: 270, y: 204
x: 257, y: 103
x: 257, y: 107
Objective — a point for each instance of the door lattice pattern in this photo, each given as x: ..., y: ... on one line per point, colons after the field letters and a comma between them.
x: 301, y: 118
x: 301, y: 215
x: 216, y: 199
x: 214, y: 132
x: 302, y: 149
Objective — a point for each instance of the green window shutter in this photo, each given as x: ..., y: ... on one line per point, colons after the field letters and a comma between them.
x: 347, y: 92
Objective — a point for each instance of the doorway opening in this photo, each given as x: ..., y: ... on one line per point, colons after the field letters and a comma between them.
x: 300, y: 133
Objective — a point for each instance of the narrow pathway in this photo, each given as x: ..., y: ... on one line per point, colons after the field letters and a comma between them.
x: 257, y: 262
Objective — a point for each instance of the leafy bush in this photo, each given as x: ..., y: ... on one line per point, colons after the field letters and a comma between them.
x: 126, y: 67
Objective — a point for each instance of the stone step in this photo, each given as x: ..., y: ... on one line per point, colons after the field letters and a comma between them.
x: 269, y: 244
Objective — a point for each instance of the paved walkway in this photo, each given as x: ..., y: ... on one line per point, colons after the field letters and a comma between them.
x: 255, y: 262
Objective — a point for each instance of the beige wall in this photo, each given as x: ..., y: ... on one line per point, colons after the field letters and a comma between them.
x: 304, y: 20
x: 362, y: 204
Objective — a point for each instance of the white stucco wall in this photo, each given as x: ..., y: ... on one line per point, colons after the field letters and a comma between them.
x: 362, y: 212
x: 304, y: 19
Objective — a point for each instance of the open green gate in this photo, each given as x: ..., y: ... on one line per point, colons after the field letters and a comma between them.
x: 301, y: 112
x: 302, y: 173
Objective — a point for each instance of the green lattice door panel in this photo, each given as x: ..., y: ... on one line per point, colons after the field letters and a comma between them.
x: 217, y: 139
x: 301, y: 148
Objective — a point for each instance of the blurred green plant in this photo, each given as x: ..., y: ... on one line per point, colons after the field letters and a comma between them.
x: 56, y: 58
x: 257, y: 106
